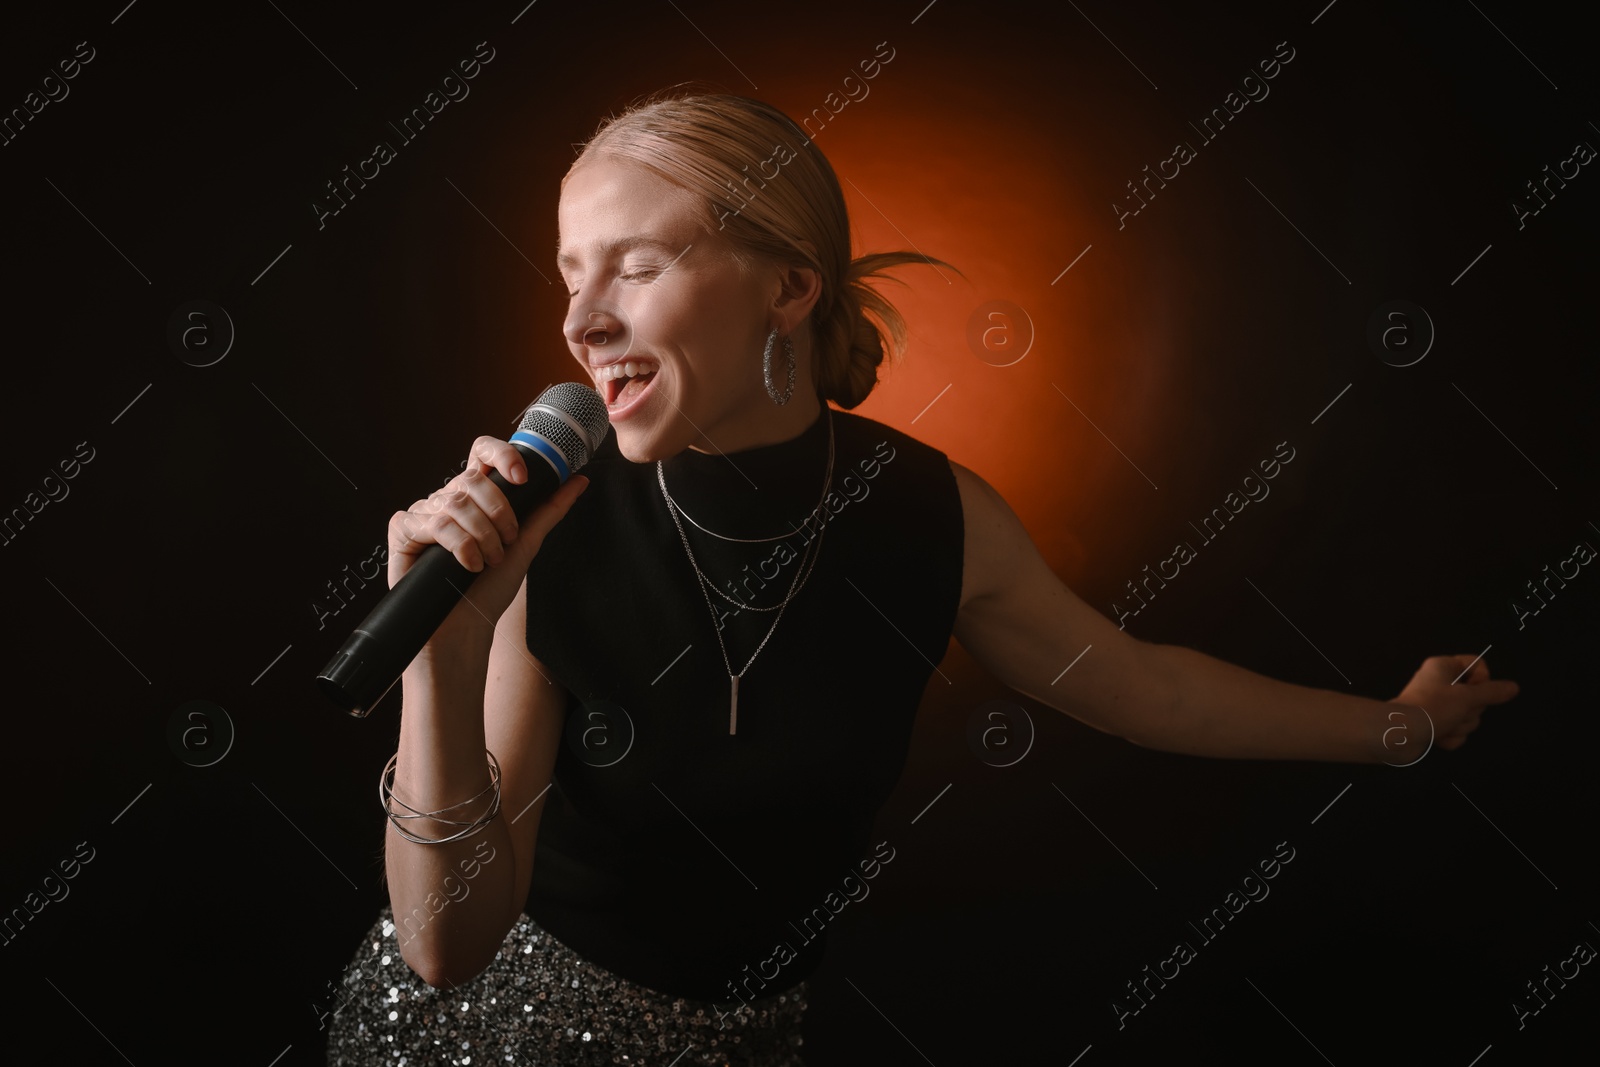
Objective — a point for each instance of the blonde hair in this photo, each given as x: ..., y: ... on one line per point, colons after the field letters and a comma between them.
x: 707, y: 144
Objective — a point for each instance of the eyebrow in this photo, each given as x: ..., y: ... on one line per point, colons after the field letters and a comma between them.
x: 624, y: 244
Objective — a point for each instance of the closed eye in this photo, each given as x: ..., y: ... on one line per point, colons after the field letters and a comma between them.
x: 637, y: 275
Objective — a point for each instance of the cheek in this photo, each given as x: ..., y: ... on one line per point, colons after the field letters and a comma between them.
x: 708, y: 332
x: 698, y: 343
x: 657, y: 318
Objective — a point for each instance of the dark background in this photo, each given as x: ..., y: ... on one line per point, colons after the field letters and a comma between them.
x: 222, y: 899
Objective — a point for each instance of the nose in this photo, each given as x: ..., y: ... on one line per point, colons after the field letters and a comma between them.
x: 590, y: 327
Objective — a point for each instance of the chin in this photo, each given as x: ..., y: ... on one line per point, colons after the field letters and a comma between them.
x: 638, y: 448
x: 631, y: 450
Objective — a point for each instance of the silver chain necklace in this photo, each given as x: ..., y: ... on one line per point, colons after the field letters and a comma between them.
x: 674, y: 509
x: 827, y: 478
x: 808, y: 561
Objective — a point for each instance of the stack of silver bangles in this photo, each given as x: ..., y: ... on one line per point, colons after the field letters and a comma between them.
x: 386, y: 794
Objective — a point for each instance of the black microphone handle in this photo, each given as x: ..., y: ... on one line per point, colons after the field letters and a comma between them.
x: 374, y: 656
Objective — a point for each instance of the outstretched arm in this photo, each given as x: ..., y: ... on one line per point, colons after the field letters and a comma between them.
x: 1022, y: 623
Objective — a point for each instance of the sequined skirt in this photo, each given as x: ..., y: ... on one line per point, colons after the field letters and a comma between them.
x: 540, y: 1004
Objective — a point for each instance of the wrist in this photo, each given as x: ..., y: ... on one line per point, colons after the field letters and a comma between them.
x: 454, y: 654
x: 456, y: 643
x: 1401, y: 734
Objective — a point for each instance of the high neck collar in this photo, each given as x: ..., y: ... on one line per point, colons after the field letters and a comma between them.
x: 753, y: 492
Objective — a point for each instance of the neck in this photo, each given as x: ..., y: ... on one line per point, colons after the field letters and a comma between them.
x: 770, y: 425
x: 757, y: 491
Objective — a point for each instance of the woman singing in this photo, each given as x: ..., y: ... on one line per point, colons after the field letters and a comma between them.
x: 638, y: 769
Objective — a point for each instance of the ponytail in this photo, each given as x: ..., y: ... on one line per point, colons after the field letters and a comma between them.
x: 851, y: 338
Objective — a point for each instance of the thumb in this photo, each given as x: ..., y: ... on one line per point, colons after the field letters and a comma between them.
x: 1496, y: 692
x: 538, y: 523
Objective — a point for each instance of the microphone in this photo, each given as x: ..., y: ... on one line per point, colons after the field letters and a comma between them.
x: 559, y: 432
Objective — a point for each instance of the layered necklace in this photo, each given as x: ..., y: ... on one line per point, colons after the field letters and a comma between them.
x: 808, y: 560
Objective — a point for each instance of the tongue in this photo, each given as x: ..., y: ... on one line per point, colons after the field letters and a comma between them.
x: 634, y: 386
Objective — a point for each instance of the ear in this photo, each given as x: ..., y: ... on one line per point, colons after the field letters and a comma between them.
x: 796, y: 291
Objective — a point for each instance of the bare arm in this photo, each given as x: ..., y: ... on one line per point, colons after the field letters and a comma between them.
x: 455, y: 903
x: 473, y: 687
x: 1026, y: 626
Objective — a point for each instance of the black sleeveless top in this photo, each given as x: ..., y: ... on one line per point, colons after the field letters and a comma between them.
x: 671, y: 853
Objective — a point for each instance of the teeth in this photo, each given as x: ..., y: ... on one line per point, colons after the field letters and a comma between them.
x: 629, y: 369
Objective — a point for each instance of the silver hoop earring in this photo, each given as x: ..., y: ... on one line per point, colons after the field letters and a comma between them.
x: 766, y: 367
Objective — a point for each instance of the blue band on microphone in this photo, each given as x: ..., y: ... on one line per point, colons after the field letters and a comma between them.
x: 551, y: 454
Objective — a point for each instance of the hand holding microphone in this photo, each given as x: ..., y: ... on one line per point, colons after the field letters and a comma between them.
x: 479, y: 533
x: 474, y: 521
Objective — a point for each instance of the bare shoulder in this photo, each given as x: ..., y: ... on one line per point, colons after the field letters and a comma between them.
x: 1019, y: 620
x: 991, y: 531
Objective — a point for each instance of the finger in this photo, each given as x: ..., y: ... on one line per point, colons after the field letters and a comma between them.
x: 439, y: 520
x: 1496, y: 692
x: 408, y: 533
x: 419, y: 530
x: 462, y: 523
x: 491, y: 501
x: 502, y: 456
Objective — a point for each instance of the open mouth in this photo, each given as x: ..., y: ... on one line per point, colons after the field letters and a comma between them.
x: 622, y: 387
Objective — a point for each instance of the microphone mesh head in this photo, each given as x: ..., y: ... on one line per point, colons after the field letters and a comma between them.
x: 572, y: 417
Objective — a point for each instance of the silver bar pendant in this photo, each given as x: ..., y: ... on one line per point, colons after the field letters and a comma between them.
x: 733, y: 705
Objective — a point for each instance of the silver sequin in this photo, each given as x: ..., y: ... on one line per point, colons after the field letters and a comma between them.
x: 539, y: 1004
